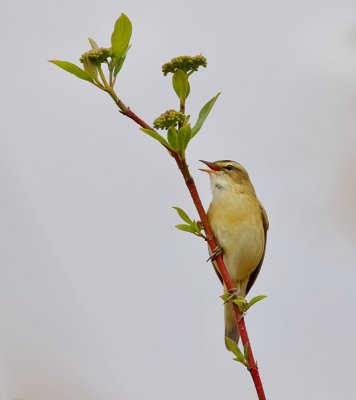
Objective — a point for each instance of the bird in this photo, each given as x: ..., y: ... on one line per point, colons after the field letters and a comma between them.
x: 239, y: 223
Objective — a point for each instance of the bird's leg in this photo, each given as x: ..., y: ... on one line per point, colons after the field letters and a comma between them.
x: 215, y: 253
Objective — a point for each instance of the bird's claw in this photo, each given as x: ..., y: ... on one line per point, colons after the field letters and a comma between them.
x: 215, y: 253
x: 233, y: 295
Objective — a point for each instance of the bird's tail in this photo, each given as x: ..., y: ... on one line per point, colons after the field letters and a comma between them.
x: 231, y: 329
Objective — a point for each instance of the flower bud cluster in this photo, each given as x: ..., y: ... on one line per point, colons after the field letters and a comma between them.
x: 187, y: 64
x: 168, y: 119
x: 97, y: 56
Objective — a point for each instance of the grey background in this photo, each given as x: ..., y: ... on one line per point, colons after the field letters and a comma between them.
x: 100, y: 297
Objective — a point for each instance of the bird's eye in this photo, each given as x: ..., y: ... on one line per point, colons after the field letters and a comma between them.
x: 229, y: 167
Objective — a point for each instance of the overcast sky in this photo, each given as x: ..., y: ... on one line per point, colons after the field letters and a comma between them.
x: 100, y: 297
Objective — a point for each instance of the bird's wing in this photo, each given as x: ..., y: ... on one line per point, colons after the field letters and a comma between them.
x: 256, y: 271
x: 216, y: 270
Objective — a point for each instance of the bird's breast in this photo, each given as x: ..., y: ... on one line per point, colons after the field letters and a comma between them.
x: 237, y: 225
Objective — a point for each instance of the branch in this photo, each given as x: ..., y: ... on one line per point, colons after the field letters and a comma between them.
x: 181, y: 68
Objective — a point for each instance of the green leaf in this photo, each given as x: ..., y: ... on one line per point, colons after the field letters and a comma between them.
x: 90, y: 67
x: 73, y: 69
x: 181, y: 84
x: 185, y: 228
x: 240, y: 357
x: 225, y: 296
x: 120, y: 40
x: 184, y: 136
x: 156, y: 136
x: 172, y: 136
x: 196, y: 226
x: 183, y: 215
x: 254, y: 301
x: 117, y: 65
x: 204, y: 112
x: 241, y: 303
x: 93, y: 43
x: 232, y: 346
x: 121, y: 36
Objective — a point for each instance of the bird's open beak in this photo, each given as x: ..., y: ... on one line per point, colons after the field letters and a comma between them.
x: 213, y: 168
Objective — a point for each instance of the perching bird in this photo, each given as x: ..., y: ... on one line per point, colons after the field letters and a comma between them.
x: 240, y: 225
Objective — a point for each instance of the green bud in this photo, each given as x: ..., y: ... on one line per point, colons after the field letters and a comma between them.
x: 188, y: 64
x: 97, y: 56
x: 170, y: 118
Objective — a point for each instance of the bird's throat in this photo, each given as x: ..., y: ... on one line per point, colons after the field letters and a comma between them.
x: 219, y: 186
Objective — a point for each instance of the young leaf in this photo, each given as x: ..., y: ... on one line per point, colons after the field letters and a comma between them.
x: 93, y: 43
x: 255, y: 300
x: 204, y: 112
x: 241, y: 303
x: 172, y: 136
x: 156, y: 136
x: 196, y: 226
x: 240, y: 357
x: 120, y: 62
x: 184, y: 135
x: 73, y: 69
x: 232, y: 346
x: 90, y: 68
x: 120, y: 38
x: 225, y: 297
x: 181, y: 84
x: 187, y: 135
x: 185, y: 228
x: 183, y: 215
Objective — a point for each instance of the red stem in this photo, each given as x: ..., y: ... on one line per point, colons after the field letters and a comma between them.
x: 189, y: 181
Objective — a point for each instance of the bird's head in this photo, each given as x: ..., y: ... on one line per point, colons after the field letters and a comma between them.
x: 227, y: 174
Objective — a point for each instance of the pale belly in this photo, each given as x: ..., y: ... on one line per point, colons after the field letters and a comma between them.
x: 242, y: 238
